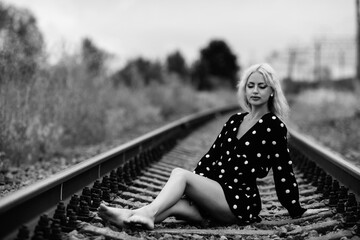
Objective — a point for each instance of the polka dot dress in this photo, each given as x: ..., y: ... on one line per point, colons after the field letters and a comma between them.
x: 236, y: 164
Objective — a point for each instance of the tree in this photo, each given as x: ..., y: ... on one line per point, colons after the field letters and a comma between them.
x: 138, y: 72
x: 216, y: 60
x: 175, y: 63
x: 198, y: 75
x: 93, y: 57
x: 21, y: 44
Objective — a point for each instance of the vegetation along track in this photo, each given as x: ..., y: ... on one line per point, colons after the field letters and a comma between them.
x: 64, y: 206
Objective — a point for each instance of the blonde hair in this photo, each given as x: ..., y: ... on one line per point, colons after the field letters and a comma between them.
x: 277, y: 104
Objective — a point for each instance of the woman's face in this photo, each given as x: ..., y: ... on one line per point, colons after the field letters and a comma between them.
x: 256, y: 90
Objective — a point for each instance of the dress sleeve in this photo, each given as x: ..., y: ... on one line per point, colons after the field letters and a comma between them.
x: 207, y: 163
x: 285, y: 182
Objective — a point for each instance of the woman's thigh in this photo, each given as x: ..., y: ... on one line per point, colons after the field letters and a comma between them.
x: 208, y: 196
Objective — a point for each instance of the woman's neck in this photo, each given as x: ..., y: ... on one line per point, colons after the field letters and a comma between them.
x: 257, y: 113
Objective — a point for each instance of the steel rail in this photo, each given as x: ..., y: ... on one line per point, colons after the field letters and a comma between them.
x: 23, y: 206
x: 344, y: 171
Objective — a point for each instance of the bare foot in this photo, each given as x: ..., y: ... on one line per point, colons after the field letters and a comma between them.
x: 116, y: 216
x: 142, y: 218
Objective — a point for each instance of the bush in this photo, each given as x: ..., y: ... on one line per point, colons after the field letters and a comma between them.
x: 45, y: 108
x: 323, y: 104
x: 64, y: 107
x: 332, y: 118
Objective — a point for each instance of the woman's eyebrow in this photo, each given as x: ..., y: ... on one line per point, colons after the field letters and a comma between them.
x: 264, y: 83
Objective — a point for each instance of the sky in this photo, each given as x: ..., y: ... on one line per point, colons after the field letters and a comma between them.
x: 155, y: 28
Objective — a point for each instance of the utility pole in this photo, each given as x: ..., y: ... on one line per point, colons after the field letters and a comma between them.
x: 357, y: 77
x: 358, y: 40
x: 291, y: 62
x: 317, y: 60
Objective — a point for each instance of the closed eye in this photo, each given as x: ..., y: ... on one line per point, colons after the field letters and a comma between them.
x: 262, y: 86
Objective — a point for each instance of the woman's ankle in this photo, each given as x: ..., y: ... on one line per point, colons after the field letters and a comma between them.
x: 147, y: 211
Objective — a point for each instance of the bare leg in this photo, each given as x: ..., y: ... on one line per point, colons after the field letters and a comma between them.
x: 206, y: 194
x: 181, y: 210
x: 114, y: 215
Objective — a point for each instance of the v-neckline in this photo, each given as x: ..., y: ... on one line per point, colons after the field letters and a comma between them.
x: 241, y: 120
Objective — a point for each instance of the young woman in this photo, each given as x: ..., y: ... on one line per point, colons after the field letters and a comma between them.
x: 223, y: 185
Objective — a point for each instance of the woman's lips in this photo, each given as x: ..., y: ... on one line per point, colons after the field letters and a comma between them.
x: 255, y: 98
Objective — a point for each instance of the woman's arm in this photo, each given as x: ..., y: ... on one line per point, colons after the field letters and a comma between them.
x: 285, y: 182
x: 207, y: 163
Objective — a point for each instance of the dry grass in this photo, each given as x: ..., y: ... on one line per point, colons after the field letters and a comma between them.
x: 331, y: 117
x: 323, y: 104
x: 65, y: 107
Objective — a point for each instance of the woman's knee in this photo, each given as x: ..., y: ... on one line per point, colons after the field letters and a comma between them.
x: 178, y: 172
x: 181, y: 174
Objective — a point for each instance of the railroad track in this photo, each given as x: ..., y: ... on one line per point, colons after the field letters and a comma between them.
x: 64, y: 206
